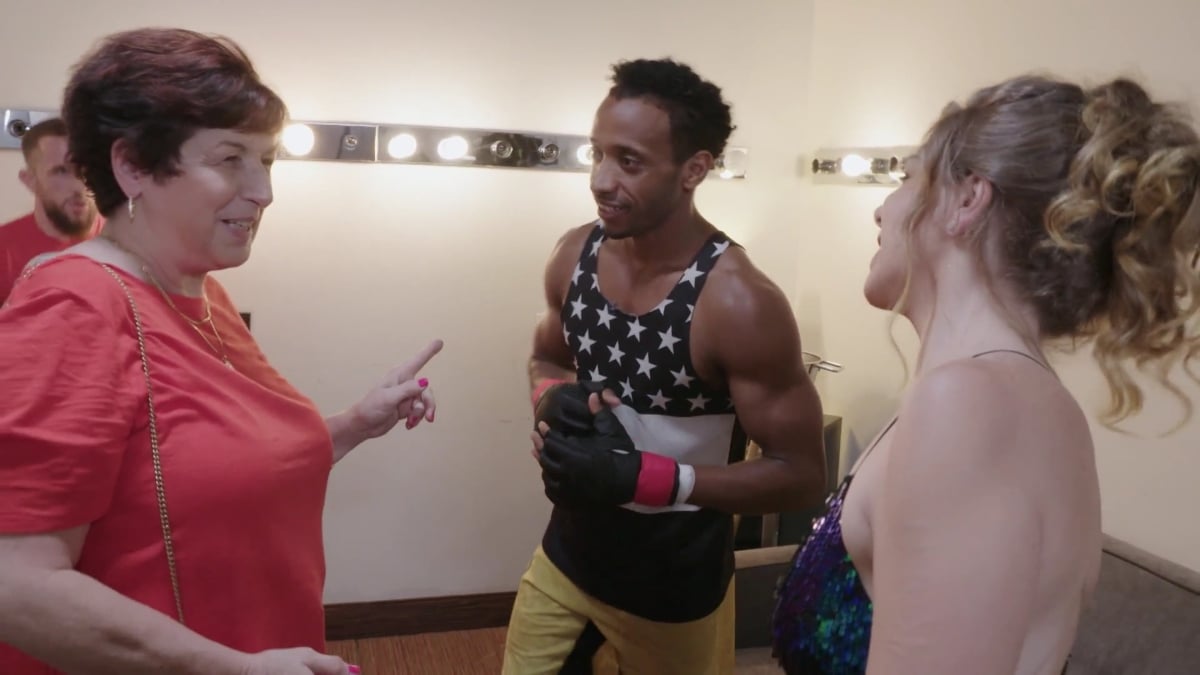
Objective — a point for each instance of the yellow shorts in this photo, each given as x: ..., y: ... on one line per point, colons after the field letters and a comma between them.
x: 552, y: 615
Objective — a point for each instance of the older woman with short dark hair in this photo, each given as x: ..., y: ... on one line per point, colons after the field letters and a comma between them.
x: 163, y: 485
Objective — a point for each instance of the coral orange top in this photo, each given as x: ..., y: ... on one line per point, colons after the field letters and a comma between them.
x: 246, y: 457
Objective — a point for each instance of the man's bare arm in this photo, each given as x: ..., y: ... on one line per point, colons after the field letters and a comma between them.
x: 552, y: 358
x: 749, y: 326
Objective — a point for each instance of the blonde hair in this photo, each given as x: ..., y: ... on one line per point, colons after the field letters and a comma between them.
x: 1094, y: 212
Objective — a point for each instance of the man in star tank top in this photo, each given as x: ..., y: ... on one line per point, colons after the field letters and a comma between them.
x: 663, y: 350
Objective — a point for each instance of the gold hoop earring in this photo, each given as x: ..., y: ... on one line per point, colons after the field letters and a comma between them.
x: 131, y: 215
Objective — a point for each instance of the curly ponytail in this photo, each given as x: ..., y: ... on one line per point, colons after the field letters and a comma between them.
x: 1131, y: 205
x: 1096, y: 213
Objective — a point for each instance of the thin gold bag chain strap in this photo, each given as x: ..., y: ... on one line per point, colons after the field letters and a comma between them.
x: 159, y: 489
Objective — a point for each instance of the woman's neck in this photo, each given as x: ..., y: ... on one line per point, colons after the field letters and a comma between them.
x: 152, y: 260
x: 959, y: 315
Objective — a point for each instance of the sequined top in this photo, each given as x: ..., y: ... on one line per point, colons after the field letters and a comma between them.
x: 822, y: 623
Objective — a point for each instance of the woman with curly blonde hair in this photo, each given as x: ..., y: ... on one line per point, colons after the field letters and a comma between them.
x: 1038, y: 210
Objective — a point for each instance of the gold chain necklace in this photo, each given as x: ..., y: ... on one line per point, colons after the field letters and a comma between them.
x: 196, y: 324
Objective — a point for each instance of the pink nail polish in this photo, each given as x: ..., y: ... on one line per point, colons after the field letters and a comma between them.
x: 408, y: 424
x: 354, y: 669
x: 424, y: 382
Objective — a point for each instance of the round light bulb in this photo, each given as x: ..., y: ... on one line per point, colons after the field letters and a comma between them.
x: 298, y: 139
x: 453, y: 147
x: 734, y: 161
x: 402, y: 146
x: 855, y: 165
x: 584, y: 154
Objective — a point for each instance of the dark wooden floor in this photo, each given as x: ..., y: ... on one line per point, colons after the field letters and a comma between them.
x: 468, y: 652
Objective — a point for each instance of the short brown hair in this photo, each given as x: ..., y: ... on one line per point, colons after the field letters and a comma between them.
x: 153, y: 88
x: 47, y: 128
x: 1095, y: 214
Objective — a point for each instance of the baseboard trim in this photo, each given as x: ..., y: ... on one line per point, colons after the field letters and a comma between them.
x: 358, y: 620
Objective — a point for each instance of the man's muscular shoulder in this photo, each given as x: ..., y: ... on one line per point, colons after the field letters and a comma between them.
x: 739, y: 290
x: 741, y: 311
x: 563, y: 259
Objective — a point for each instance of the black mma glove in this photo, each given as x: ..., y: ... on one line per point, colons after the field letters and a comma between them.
x: 564, y: 406
x: 604, y: 469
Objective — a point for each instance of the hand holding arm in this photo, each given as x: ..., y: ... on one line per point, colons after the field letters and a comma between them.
x: 76, y: 624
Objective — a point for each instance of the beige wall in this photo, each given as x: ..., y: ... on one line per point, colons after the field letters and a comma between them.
x: 881, y: 72
x: 357, y: 266
x: 409, y: 253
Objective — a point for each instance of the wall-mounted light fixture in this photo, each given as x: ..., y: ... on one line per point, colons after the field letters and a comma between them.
x: 17, y: 122
x: 860, y: 166
x: 458, y: 146
x: 417, y: 144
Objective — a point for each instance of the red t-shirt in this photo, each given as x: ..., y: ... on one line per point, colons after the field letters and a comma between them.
x: 21, y: 241
x: 245, y: 457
